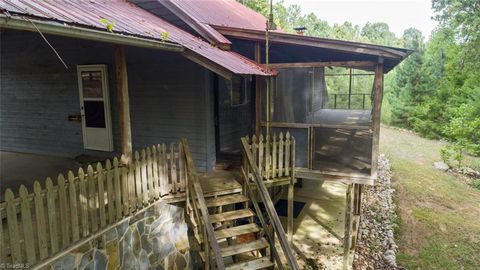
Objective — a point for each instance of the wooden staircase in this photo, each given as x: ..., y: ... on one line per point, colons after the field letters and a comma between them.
x: 241, y: 241
x: 224, y: 225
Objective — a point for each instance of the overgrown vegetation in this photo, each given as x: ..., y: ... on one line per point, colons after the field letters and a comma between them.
x: 436, y: 90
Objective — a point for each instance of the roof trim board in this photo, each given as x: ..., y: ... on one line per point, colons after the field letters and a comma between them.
x: 337, y: 45
x: 65, y: 30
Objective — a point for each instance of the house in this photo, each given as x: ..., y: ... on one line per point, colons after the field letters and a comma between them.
x: 102, y: 78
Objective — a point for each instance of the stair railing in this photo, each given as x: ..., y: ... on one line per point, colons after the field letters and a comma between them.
x: 197, y: 208
x: 251, y: 172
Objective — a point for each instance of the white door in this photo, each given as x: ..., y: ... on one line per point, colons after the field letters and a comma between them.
x: 95, y: 107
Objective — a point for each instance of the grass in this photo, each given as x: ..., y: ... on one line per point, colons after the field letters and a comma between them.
x: 439, y: 214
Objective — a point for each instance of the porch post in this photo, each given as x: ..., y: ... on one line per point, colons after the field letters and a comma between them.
x: 123, y: 104
x: 376, y: 112
x: 258, y: 95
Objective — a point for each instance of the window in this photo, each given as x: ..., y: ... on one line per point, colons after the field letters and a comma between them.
x: 239, y: 87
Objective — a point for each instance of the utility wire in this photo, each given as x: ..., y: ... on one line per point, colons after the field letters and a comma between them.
x: 44, y: 38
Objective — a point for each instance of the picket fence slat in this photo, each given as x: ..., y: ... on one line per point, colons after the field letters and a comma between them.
x: 144, y: 178
x: 63, y: 203
x: 92, y: 199
x: 101, y: 195
x: 83, y: 202
x: 118, y: 189
x: 13, y: 227
x: 41, y: 223
x: 72, y: 194
x: 52, y: 216
x: 27, y: 224
x: 75, y: 207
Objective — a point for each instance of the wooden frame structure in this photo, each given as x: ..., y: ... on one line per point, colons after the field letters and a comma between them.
x: 354, y: 181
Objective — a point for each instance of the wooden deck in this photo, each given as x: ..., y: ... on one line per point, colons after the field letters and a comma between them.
x: 220, y: 182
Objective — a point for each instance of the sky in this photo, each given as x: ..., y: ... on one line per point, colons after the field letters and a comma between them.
x: 399, y: 15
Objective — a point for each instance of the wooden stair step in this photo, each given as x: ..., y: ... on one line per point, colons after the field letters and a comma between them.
x: 244, y: 247
x: 259, y: 263
x: 225, y: 200
x: 236, y: 231
x: 231, y: 215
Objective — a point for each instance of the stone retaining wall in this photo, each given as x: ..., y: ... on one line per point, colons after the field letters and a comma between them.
x: 153, y: 239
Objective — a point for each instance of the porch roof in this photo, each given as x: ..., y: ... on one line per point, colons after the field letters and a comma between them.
x: 127, y: 22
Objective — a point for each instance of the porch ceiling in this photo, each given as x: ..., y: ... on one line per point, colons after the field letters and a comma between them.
x: 126, y: 21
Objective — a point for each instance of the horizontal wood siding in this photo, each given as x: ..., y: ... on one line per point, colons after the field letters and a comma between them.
x: 170, y: 99
x: 38, y: 93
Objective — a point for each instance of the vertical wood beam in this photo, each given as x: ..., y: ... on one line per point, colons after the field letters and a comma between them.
x: 352, y: 222
x: 376, y: 114
x: 123, y: 104
x: 258, y: 95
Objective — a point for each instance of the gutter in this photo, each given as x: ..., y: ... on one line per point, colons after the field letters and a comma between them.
x: 60, y: 29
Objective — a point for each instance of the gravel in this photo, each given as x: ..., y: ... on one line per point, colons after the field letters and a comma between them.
x: 376, y: 248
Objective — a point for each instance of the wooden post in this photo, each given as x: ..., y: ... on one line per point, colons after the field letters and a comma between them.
x: 352, y: 222
x: 123, y: 105
x: 258, y: 94
x: 376, y: 111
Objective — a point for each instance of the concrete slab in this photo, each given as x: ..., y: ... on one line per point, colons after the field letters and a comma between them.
x: 319, y: 228
x: 20, y: 168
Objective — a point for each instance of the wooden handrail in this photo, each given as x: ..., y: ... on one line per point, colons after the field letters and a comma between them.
x: 269, y: 207
x: 192, y: 176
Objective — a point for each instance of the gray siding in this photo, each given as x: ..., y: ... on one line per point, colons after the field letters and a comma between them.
x: 38, y: 93
x: 169, y: 97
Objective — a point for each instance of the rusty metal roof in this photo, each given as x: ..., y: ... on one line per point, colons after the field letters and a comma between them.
x: 226, y: 13
x: 127, y: 19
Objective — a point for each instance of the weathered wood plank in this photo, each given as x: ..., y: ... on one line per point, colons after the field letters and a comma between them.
x: 101, y: 195
x: 173, y: 168
x: 123, y: 104
x: 64, y: 213
x: 117, y: 185
x: 156, y: 178
x: 138, y: 181
x: 13, y: 227
x: 288, y: 167
x: 132, y: 193
x: 27, y: 225
x: 274, y: 156
x: 52, y: 216
x: 144, y: 177
x: 151, y: 188
x: 125, y: 191
x: 40, y: 218
x: 164, y: 185
x: 83, y: 202
x: 72, y: 194
x: 260, y: 160
x: 281, y: 146
x: 181, y: 168
x: 110, y: 192
x: 2, y: 240
x: 92, y: 199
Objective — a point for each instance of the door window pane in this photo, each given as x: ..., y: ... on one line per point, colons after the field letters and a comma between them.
x: 92, y: 84
x: 94, y: 114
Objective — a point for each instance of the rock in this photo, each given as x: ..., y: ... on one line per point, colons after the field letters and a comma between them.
x: 440, y: 165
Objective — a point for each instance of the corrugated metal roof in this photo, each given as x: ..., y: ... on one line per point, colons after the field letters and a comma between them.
x: 227, y: 13
x: 128, y: 19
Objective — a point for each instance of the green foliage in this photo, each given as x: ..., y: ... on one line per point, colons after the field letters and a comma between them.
x: 436, y: 90
x: 108, y: 24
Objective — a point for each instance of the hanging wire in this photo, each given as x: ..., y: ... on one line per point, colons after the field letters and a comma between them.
x: 46, y: 41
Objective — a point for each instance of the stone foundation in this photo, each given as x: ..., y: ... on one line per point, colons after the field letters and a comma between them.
x: 154, y: 239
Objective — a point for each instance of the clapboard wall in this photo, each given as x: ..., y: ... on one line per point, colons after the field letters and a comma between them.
x: 169, y: 97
